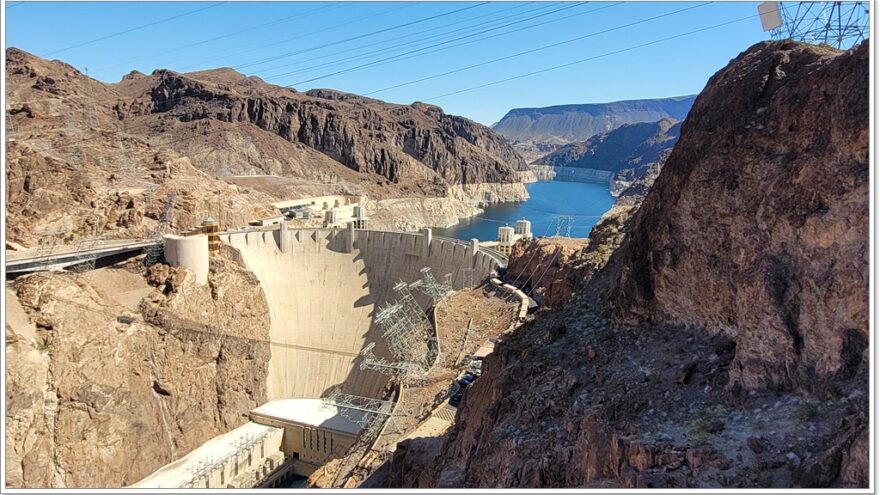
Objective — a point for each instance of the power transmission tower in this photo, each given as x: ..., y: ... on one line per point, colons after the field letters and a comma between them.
x: 405, y: 332
x: 407, y: 336
x: 76, y: 154
x: 839, y: 24
x: 399, y: 369
x: 563, y: 225
x: 125, y: 167
x: 154, y: 253
x: 47, y: 244
x: 431, y: 287
x: 85, y: 260
x: 368, y: 413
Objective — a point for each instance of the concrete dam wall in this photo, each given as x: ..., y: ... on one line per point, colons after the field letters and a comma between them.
x: 324, y: 287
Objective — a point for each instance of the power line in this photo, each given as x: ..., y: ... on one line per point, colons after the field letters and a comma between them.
x: 576, y: 62
x: 299, y: 15
x: 422, y: 41
x: 181, y: 331
x: 137, y: 28
x: 537, y: 283
x: 361, y: 36
x: 412, y: 22
x: 533, y: 50
x: 532, y: 26
x: 392, y: 58
x: 688, y: 33
x: 226, y: 54
x: 532, y: 257
x: 392, y: 40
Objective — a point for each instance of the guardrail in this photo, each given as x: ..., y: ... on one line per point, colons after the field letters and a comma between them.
x: 500, y: 258
x: 451, y: 239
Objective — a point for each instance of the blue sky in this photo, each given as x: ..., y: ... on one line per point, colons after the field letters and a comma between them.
x: 304, y: 43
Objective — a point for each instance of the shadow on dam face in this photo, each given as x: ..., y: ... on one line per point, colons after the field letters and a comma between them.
x: 324, y: 289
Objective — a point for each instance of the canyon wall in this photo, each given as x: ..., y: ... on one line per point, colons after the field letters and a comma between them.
x: 88, y: 158
x: 112, y: 374
x: 619, y: 157
x: 578, y: 122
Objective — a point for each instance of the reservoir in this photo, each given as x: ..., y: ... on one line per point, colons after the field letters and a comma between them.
x: 584, y: 202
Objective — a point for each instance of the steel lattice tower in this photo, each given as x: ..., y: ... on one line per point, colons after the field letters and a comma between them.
x: 86, y: 262
x: 839, y: 24
x: 432, y: 287
x: 400, y: 369
x: 366, y: 412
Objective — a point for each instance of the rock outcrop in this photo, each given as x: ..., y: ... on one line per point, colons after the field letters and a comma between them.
x: 396, y: 142
x: 630, y: 152
x: 578, y: 401
x: 110, y: 377
x: 546, y: 268
x: 758, y: 225
x: 724, y: 343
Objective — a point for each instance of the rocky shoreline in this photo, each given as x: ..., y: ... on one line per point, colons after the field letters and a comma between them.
x: 461, y: 202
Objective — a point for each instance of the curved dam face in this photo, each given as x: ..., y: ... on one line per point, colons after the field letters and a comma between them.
x: 323, y: 288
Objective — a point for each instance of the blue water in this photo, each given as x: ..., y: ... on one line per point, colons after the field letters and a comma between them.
x: 549, y: 201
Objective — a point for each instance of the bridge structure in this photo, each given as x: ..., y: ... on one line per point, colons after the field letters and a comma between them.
x: 58, y: 257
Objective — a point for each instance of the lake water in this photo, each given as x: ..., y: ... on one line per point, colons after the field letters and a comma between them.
x: 585, y: 203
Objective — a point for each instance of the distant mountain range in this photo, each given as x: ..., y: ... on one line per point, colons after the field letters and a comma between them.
x: 537, y: 131
x: 630, y: 147
x: 630, y: 153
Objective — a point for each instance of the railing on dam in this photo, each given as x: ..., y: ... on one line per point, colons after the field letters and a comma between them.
x: 498, y: 257
x: 451, y: 239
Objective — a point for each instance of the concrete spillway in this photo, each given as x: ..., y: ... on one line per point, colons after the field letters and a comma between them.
x: 324, y: 287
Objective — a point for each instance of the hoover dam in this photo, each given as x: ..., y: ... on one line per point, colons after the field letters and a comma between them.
x: 325, y: 288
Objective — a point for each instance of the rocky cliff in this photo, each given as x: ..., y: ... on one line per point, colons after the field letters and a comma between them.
x: 111, y: 374
x: 724, y: 343
x: 774, y: 169
x: 120, y: 138
x: 538, y: 131
x: 554, y: 269
x: 546, y: 268
x: 630, y: 151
